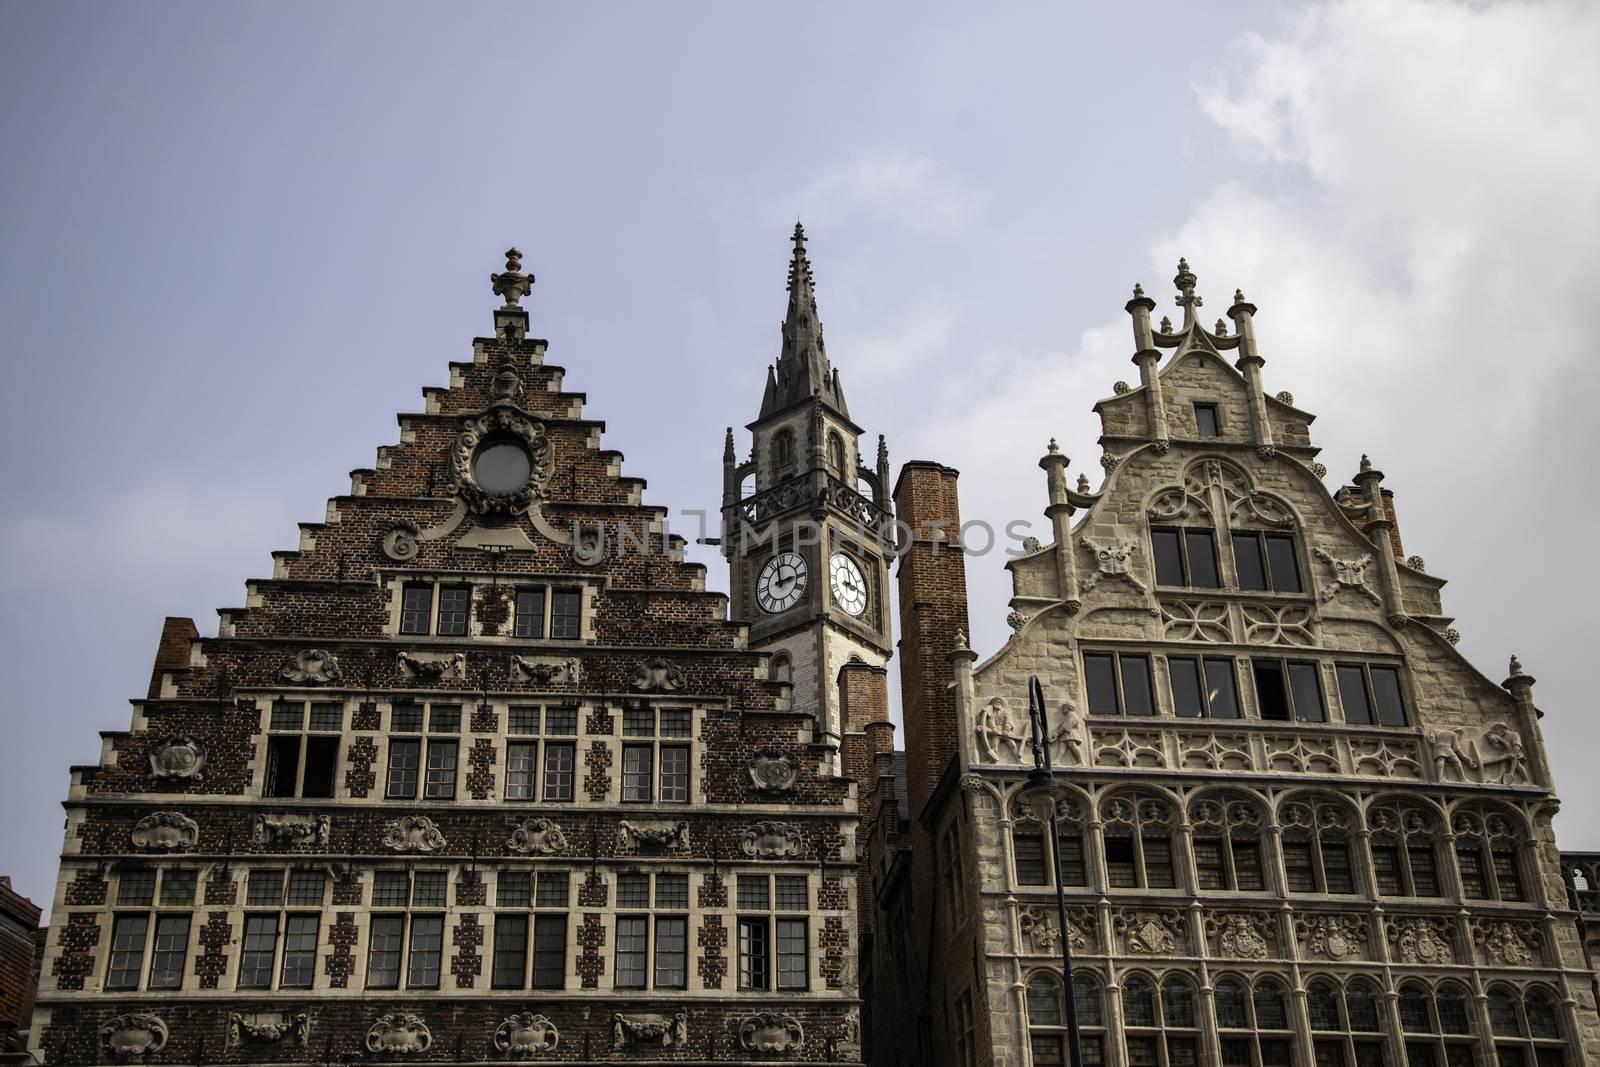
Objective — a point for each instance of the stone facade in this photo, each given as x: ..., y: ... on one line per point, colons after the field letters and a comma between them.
x: 481, y: 771
x: 1297, y: 827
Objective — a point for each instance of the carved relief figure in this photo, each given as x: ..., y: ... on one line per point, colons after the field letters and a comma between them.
x: 672, y: 836
x: 413, y: 833
x: 134, y: 1034
x: 1446, y: 749
x: 537, y: 836
x: 292, y: 830
x: 1347, y: 574
x: 1420, y: 941
x: 165, y: 831
x: 178, y: 758
x: 658, y: 675
x: 1240, y: 936
x: 666, y: 1031
x: 999, y: 738
x: 1151, y: 933
x: 1500, y: 753
x: 1506, y: 944
x: 1333, y: 937
x: 268, y: 1029
x: 433, y: 669
x: 399, y: 1033
x: 771, y: 1032
x: 526, y: 1034
x: 546, y: 671
x: 1066, y: 741
x: 1112, y: 549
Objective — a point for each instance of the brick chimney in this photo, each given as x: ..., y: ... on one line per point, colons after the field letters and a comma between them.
x: 172, y: 651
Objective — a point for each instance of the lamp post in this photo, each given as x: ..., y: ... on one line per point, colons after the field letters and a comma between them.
x: 1040, y: 796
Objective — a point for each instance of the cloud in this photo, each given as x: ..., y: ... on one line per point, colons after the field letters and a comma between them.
x: 907, y: 189
x: 878, y: 358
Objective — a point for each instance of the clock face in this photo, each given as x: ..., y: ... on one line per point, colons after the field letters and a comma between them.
x: 849, y: 584
x: 782, y: 582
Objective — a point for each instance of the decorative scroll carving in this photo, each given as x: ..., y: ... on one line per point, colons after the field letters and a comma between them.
x: 999, y: 736
x: 413, y: 833
x: 434, y: 668
x: 1289, y: 624
x: 292, y: 829
x: 1149, y: 932
x: 771, y: 1032
x: 178, y: 757
x: 500, y: 422
x: 135, y: 1034
x: 1127, y: 748
x: 1185, y: 621
x: 399, y: 1033
x: 673, y: 837
x: 1215, y: 752
x: 268, y: 1028
x: 526, y: 1034
x: 1177, y: 504
x: 1333, y: 937
x: 1112, y: 548
x: 399, y: 540
x: 651, y: 1028
x: 537, y: 837
x: 772, y: 840
x: 546, y: 670
x: 1506, y: 944
x: 1066, y: 738
x: 1420, y: 940
x: 165, y: 831
x: 657, y: 675
x: 314, y: 666
x: 1302, y: 753
x: 772, y: 771
x: 1242, y: 935
x: 1041, y: 927
x: 1347, y: 574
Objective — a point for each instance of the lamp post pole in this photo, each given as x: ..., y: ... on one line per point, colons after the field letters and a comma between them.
x: 1042, y: 793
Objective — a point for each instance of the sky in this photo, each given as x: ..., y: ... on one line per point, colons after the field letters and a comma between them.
x: 237, y: 239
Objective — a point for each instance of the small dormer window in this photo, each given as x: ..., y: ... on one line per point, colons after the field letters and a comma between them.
x: 1206, y: 421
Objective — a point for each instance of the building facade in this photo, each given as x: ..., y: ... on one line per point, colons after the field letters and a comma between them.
x: 19, y: 970
x: 1300, y: 828
x: 482, y: 771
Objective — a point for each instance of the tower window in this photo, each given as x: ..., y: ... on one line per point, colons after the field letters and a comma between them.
x: 1207, y: 423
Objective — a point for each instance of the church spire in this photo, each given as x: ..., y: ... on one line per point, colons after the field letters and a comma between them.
x: 802, y: 369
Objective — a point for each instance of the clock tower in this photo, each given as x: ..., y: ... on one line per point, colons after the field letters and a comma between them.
x: 807, y: 528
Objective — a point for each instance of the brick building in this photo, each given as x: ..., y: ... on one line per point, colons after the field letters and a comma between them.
x: 19, y: 966
x: 481, y: 771
x: 1299, y: 828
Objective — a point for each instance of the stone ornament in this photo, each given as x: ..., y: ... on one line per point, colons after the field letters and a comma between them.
x: 546, y: 670
x: 1127, y: 748
x: 1241, y: 936
x: 772, y: 840
x: 1215, y: 752
x: 656, y: 675
x: 1386, y: 758
x: 588, y: 543
x: 1149, y: 932
x: 502, y: 422
x: 165, y: 831
x: 537, y: 837
x: 526, y: 1034
x: 1185, y: 621
x: 771, y: 1032
x: 1333, y: 937
x: 399, y: 1033
x: 1302, y: 753
x: 772, y: 772
x: 1420, y: 940
x: 998, y: 734
x: 671, y: 837
x: 1042, y: 927
x: 177, y: 758
x: 134, y: 1034
x: 1491, y: 754
x: 1289, y: 624
x: 1066, y: 738
x: 268, y: 1028
x: 314, y: 666
x: 1112, y: 549
x: 292, y: 830
x: 399, y: 540
x: 1286, y: 397
x: 649, y: 1029
x: 1347, y: 574
x: 413, y: 833
x: 846, y: 1047
x: 1506, y: 944
x: 434, y: 668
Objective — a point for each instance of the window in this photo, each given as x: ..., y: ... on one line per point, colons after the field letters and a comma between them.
x: 966, y: 1031
x: 655, y: 738
x: 1344, y: 1029
x: 1370, y: 694
x: 162, y: 935
x: 1033, y: 860
x: 949, y: 866
x: 260, y: 949
x: 1267, y: 562
x: 522, y: 752
x: 1316, y: 847
x: 1437, y: 1028
x: 1162, y: 1029
x: 1138, y: 842
x: 1227, y: 845
x: 1185, y: 557
x: 1487, y: 856
x: 1203, y: 688
x: 1526, y: 1027
x: 1288, y: 690
x: 454, y: 601
x: 409, y: 940
x: 668, y: 921
x: 774, y: 948
x: 1253, y: 1025
x: 1118, y: 683
x: 300, y: 764
x: 416, y: 608
x: 566, y: 615
x: 530, y: 613
x: 1404, y: 860
x: 783, y: 449
x: 1047, y: 1014
x: 438, y: 778
x: 1206, y: 421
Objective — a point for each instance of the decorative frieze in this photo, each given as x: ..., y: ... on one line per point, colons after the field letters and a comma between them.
x: 1414, y: 940
x: 433, y: 666
x: 413, y: 833
x: 1332, y: 937
x: 1506, y: 943
x: 667, y: 837
x: 268, y: 1028
x: 399, y: 1033
x: 165, y: 831
x: 1150, y: 931
x: 292, y: 830
x: 526, y: 1034
x: 1241, y: 935
x: 649, y: 1029
x: 546, y: 670
x: 537, y: 837
x: 137, y: 1033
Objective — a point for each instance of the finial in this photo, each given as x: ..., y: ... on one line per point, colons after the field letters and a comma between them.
x: 1222, y: 328
x: 799, y: 265
x: 513, y: 285
x: 1083, y: 483
x: 1366, y: 464
x: 1138, y: 290
x: 1053, y: 448
x: 1166, y: 324
x: 961, y: 640
x: 1238, y: 296
x: 728, y: 454
x: 883, y: 451
x: 1516, y: 666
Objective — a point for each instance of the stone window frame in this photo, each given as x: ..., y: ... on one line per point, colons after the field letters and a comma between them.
x: 290, y: 919
x: 407, y: 914
x: 1072, y: 822
x: 1169, y: 1028
x: 1249, y: 1038
x: 1285, y: 666
x: 426, y: 738
x: 1320, y: 819
x: 581, y: 589
x: 652, y: 914
x: 1045, y: 1002
x: 1203, y: 663
x: 151, y: 910
x: 768, y: 916
x: 1410, y: 828
x: 305, y: 732
x: 1369, y: 692
x: 1238, y: 819
x: 1353, y: 1042
x: 655, y: 743
x: 540, y: 910
x: 545, y: 740
x: 1202, y: 504
x: 1117, y: 655
x: 1215, y: 407
x: 1142, y: 809
x: 1546, y: 1049
x: 1492, y: 833
x: 1413, y: 994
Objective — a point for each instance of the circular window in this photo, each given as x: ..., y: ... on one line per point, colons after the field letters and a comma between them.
x: 502, y: 468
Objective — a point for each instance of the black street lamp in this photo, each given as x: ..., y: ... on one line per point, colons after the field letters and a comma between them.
x: 1041, y: 796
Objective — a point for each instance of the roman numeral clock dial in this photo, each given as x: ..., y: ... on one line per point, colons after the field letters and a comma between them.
x: 849, y: 584
x: 782, y: 582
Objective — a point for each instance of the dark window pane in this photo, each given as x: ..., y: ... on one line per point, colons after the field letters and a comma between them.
x: 1453, y: 1012
x: 1222, y: 695
x: 1236, y: 1053
x: 558, y: 773
x: 1205, y: 420
x: 1100, y: 679
x: 1211, y: 872
x: 1139, y: 1003
x: 1185, y: 674
x: 513, y: 889
x: 522, y: 762
x: 444, y: 719
x: 674, y: 774
x: 283, y: 766
x: 1307, y: 689
x: 327, y: 716
x: 1247, y: 560
x: 391, y: 889
x: 1503, y: 1018
x: 1029, y: 850
x: 299, y: 951
x: 453, y: 601
x: 136, y: 886
x: 1275, y: 1053
x: 633, y: 891
x: 177, y: 887
x: 753, y: 954
x: 1474, y: 885
x: 416, y: 607
x: 1201, y: 547
x: 672, y: 892
x: 127, y: 951
x: 288, y: 715
x: 385, y: 942
x: 639, y: 721
x: 1414, y: 1015
x: 1232, y: 1013
x: 1247, y: 866
x: 1361, y: 1005
x: 510, y: 952
x: 441, y: 784
x: 406, y: 718
x: 1386, y: 688
x: 427, y: 947
x: 1336, y: 863
x: 1322, y: 1005
x: 561, y: 721
x: 1144, y: 1052
x: 1086, y: 994
x: 1120, y: 863
x: 566, y: 615
x: 1542, y: 1020
x: 1177, y: 1004
x: 672, y: 952
x: 1424, y: 871
x: 259, y: 946
x: 792, y: 954
x: 549, y: 950
x: 1136, y: 695
x: 429, y: 889
x: 1508, y: 874
x: 166, y: 955
x: 1044, y: 1001
x: 554, y: 889
x: 1182, y: 1051
x: 1169, y: 558
x: 636, y: 771
x: 1271, y: 1012
x: 530, y: 613
x: 1386, y: 869
x: 1353, y: 695
x: 1299, y: 867
x: 1270, y: 694
x: 264, y: 887
x: 1073, y: 869
x: 1285, y: 564
x: 306, y: 888
x: 677, y: 722
x: 403, y: 760
x: 754, y: 892
x: 322, y: 762
x: 522, y: 720
x: 1049, y: 1050
x: 1158, y: 869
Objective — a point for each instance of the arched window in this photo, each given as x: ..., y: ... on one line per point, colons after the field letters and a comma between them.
x: 1405, y: 856
x: 1254, y: 1025
x: 1316, y: 846
x: 1032, y: 862
x: 1526, y: 1028
x: 782, y: 450
x: 1488, y: 856
x: 779, y: 668
x: 836, y: 457
x: 1047, y: 1019
x: 1227, y: 843
x: 1160, y: 1025
x: 1342, y: 1027
x: 1438, y: 1027
x: 1138, y: 842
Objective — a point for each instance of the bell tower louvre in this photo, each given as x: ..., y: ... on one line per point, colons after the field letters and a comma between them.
x: 481, y: 771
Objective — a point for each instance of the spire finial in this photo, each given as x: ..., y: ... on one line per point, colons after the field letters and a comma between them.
x: 1238, y: 296
x: 513, y: 285
x: 799, y: 265
x: 1053, y: 448
x: 1138, y: 290
x: 1185, y: 281
x: 728, y: 454
x: 1083, y: 484
x: 1222, y: 328
x: 1366, y: 464
x: 1166, y: 324
x: 1516, y: 666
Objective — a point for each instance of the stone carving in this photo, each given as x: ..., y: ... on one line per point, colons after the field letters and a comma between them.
x: 1185, y: 621
x: 1215, y: 752
x: 588, y: 543
x: 1497, y: 756
x: 178, y: 757
x: 134, y: 1034
x: 1506, y: 944
x: 1177, y: 503
x: 526, y: 1034
x: 1386, y: 758
x: 1452, y: 635
x: 314, y: 666
x: 399, y: 540
x: 1125, y: 810
x: 1448, y: 751
x: 846, y: 1048
x: 1347, y: 574
x: 1041, y: 927
x: 434, y: 668
x: 650, y: 1028
x: 657, y: 674
x: 504, y: 423
x: 772, y: 840
x: 413, y: 833
x: 999, y: 736
x: 1302, y: 753
x: 1286, y: 397
x: 1320, y: 470
x: 673, y: 837
x: 1120, y: 388
x: 165, y: 831
x: 537, y: 836
x: 1417, y: 563
x: 1109, y: 461
x: 771, y: 1032
x: 546, y: 670
x: 268, y: 1028
x: 292, y: 829
x: 772, y: 771
x: 1066, y: 740
x: 1286, y: 625
x: 399, y: 1033
x: 1226, y: 813
x: 1420, y: 940
x: 1241, y: 936
x: 1112, y: 548
x: 1031, y: 545
x: 1127, y: 748
x: 1333, y: 937
x: 1016, y: 620
x: 1150, y: 932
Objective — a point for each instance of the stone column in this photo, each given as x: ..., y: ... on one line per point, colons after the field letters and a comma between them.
x: 1370, y: 479
x: 1520, y: 685
x: 1059, y: 512
x: 1146, y: 355
x: 1249, y: 364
